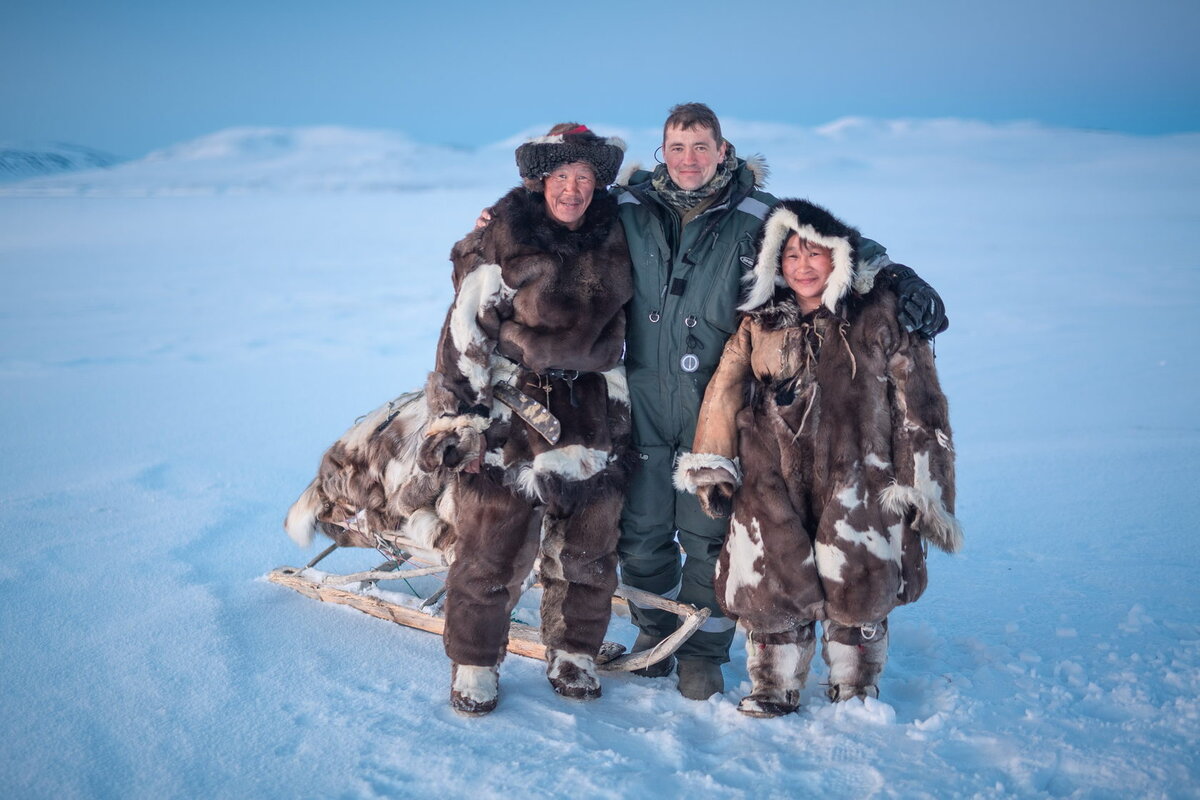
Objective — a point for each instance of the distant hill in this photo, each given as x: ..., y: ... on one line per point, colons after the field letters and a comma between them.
x: 849, y: 153
x: 19, y: 162
x: 321, y: 159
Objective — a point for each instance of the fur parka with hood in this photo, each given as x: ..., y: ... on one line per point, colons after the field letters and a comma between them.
x: 835, y: 433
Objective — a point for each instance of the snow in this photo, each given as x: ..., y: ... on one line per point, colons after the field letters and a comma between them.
x: 182, y: 336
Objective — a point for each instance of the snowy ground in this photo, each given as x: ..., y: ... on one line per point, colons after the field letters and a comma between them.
x: 181, y: 337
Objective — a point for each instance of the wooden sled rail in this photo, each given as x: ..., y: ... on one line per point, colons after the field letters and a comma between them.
x: 524, y: 640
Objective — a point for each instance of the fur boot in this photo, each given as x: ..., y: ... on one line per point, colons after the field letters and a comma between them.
x: 474, y: 690
x: 778, y: 666
x: 856, y: 656
x: 573, y: 675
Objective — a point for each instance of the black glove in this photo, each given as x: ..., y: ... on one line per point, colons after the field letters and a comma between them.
x: 919, y: 308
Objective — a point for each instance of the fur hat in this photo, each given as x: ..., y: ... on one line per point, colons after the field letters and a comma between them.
x: 814, y: 224
x: 567, y: 142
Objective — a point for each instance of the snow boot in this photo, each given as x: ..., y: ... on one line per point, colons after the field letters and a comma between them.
x: 660, y: 669
x: 856, y: 657
x: 699, y: 678
x: 573, y: 675
x: 474, y: 690
x: 778, y: 666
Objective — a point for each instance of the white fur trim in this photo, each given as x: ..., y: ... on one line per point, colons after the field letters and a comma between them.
x: 477, y: 684
x: 618, y: 386
x: 757, y: 164
x: 301, y: 521
x: 481, y: 289
x: 765, y: 277
x: 573, y: 462
x: 558, y: 138
x: 843, y: 661
x: 457, y: 423
x: 934, y: 521
x: 624, y: 175
x: 688, y: 462
x: 584, y: 663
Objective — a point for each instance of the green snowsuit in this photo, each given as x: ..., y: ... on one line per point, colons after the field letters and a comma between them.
x: 687, y: 284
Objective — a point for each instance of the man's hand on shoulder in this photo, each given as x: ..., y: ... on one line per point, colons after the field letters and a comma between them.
x: 919, y: 307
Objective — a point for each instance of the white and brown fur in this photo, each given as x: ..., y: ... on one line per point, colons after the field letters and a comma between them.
x: 532, y: 296
x: 369, y: 482
x: 846, y: 456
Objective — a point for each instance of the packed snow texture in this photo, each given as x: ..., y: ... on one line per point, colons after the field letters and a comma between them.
x: 182, y: 336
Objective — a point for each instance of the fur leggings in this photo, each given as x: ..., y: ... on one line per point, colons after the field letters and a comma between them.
x: 499, y: 535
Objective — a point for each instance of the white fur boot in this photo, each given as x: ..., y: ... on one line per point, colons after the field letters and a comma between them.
x: 778, y: 669
x: 573, y: 675
x: 474, y: 690
x: 856, y: 657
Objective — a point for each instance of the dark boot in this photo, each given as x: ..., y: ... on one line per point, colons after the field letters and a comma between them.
x: 659, y: 669
x: 856, y: 657
x: 699, y: 679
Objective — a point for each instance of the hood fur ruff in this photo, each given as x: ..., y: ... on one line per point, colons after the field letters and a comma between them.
x: 814, y: 224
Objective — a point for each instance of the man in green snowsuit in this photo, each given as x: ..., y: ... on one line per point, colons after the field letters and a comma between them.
x: 691, y: 227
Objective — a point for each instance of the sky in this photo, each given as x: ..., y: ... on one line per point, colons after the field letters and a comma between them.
x: 132, y: 76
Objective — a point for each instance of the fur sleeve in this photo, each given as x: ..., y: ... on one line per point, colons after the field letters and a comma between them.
x: 716, y: 428
x: 462, y: 380
x: 922, y: 446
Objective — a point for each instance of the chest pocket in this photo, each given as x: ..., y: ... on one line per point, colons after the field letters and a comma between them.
x: 731, y: 260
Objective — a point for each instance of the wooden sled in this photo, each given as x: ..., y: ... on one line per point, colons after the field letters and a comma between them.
x: 405, y: 562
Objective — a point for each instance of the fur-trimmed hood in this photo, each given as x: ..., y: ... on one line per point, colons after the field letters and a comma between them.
x: 765, y: 286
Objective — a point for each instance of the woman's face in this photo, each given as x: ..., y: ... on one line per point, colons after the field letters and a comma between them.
x: 806, y: 269
x: 568, y: 192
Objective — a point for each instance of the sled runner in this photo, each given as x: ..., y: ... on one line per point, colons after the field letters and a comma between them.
x: 408, y: 560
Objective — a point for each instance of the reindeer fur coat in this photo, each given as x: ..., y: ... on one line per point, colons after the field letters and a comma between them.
x: 835, y: 430
x: 540, y: 308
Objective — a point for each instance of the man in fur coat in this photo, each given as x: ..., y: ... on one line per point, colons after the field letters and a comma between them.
x: 528, y: 405
x: 827, y: 418
x: 691, y: 226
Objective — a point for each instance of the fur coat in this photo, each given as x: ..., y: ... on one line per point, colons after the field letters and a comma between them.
x: 533, y: 300
x: 834, y: 429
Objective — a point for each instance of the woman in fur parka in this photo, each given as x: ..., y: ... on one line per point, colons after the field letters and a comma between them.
x: 528, y: 405
x: 825, y: 431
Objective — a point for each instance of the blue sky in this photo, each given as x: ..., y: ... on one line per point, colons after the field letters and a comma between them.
x: 132, y: 76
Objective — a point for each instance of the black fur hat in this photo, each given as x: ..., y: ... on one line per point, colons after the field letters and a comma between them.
x: 567, y: 142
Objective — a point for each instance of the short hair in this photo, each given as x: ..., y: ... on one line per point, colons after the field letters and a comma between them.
x: 688, y: 115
